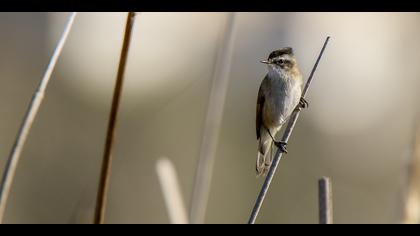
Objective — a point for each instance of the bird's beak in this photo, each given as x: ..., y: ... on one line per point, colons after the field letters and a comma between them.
x: 265, y: 62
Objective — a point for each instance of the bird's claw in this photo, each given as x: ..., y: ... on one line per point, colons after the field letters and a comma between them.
x: 281, y: 145
x: 303, y: 103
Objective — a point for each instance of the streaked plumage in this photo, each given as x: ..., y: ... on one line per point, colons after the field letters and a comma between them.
x: 278, y: 96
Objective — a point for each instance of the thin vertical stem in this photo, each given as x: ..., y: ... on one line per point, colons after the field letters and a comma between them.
x: 325, y: 201
x: 171, y: 190
x: 411, y: 208
x: 29, y: 119
x: 107, y: 158
x: 285, y: 138
x: 212, y: 124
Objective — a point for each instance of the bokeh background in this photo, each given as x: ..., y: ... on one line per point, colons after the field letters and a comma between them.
x: 358, y: 130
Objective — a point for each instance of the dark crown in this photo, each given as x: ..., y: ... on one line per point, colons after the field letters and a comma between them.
x: 281, y: 51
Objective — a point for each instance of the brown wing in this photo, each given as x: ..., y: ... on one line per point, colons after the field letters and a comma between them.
x: 260, y: 105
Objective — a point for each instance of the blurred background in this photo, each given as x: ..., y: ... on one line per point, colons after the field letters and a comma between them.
x: 358, y: 130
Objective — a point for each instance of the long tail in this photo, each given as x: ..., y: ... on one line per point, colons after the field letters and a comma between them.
x: 264, y: 157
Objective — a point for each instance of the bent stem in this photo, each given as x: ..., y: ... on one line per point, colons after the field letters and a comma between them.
x: 28, y: 120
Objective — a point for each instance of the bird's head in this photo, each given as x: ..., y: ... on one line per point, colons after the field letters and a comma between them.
x: 281, y: 60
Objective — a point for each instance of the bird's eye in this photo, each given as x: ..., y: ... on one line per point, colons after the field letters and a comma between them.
x: 280, y: 61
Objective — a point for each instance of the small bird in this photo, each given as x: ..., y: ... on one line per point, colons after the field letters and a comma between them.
x: 279, y: 94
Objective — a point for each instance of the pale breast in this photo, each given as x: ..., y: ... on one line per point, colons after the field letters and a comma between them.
x: 282, y: 97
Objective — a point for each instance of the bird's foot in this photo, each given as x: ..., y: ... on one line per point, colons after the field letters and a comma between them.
x: 281, y: 145
x: 303, y: 103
